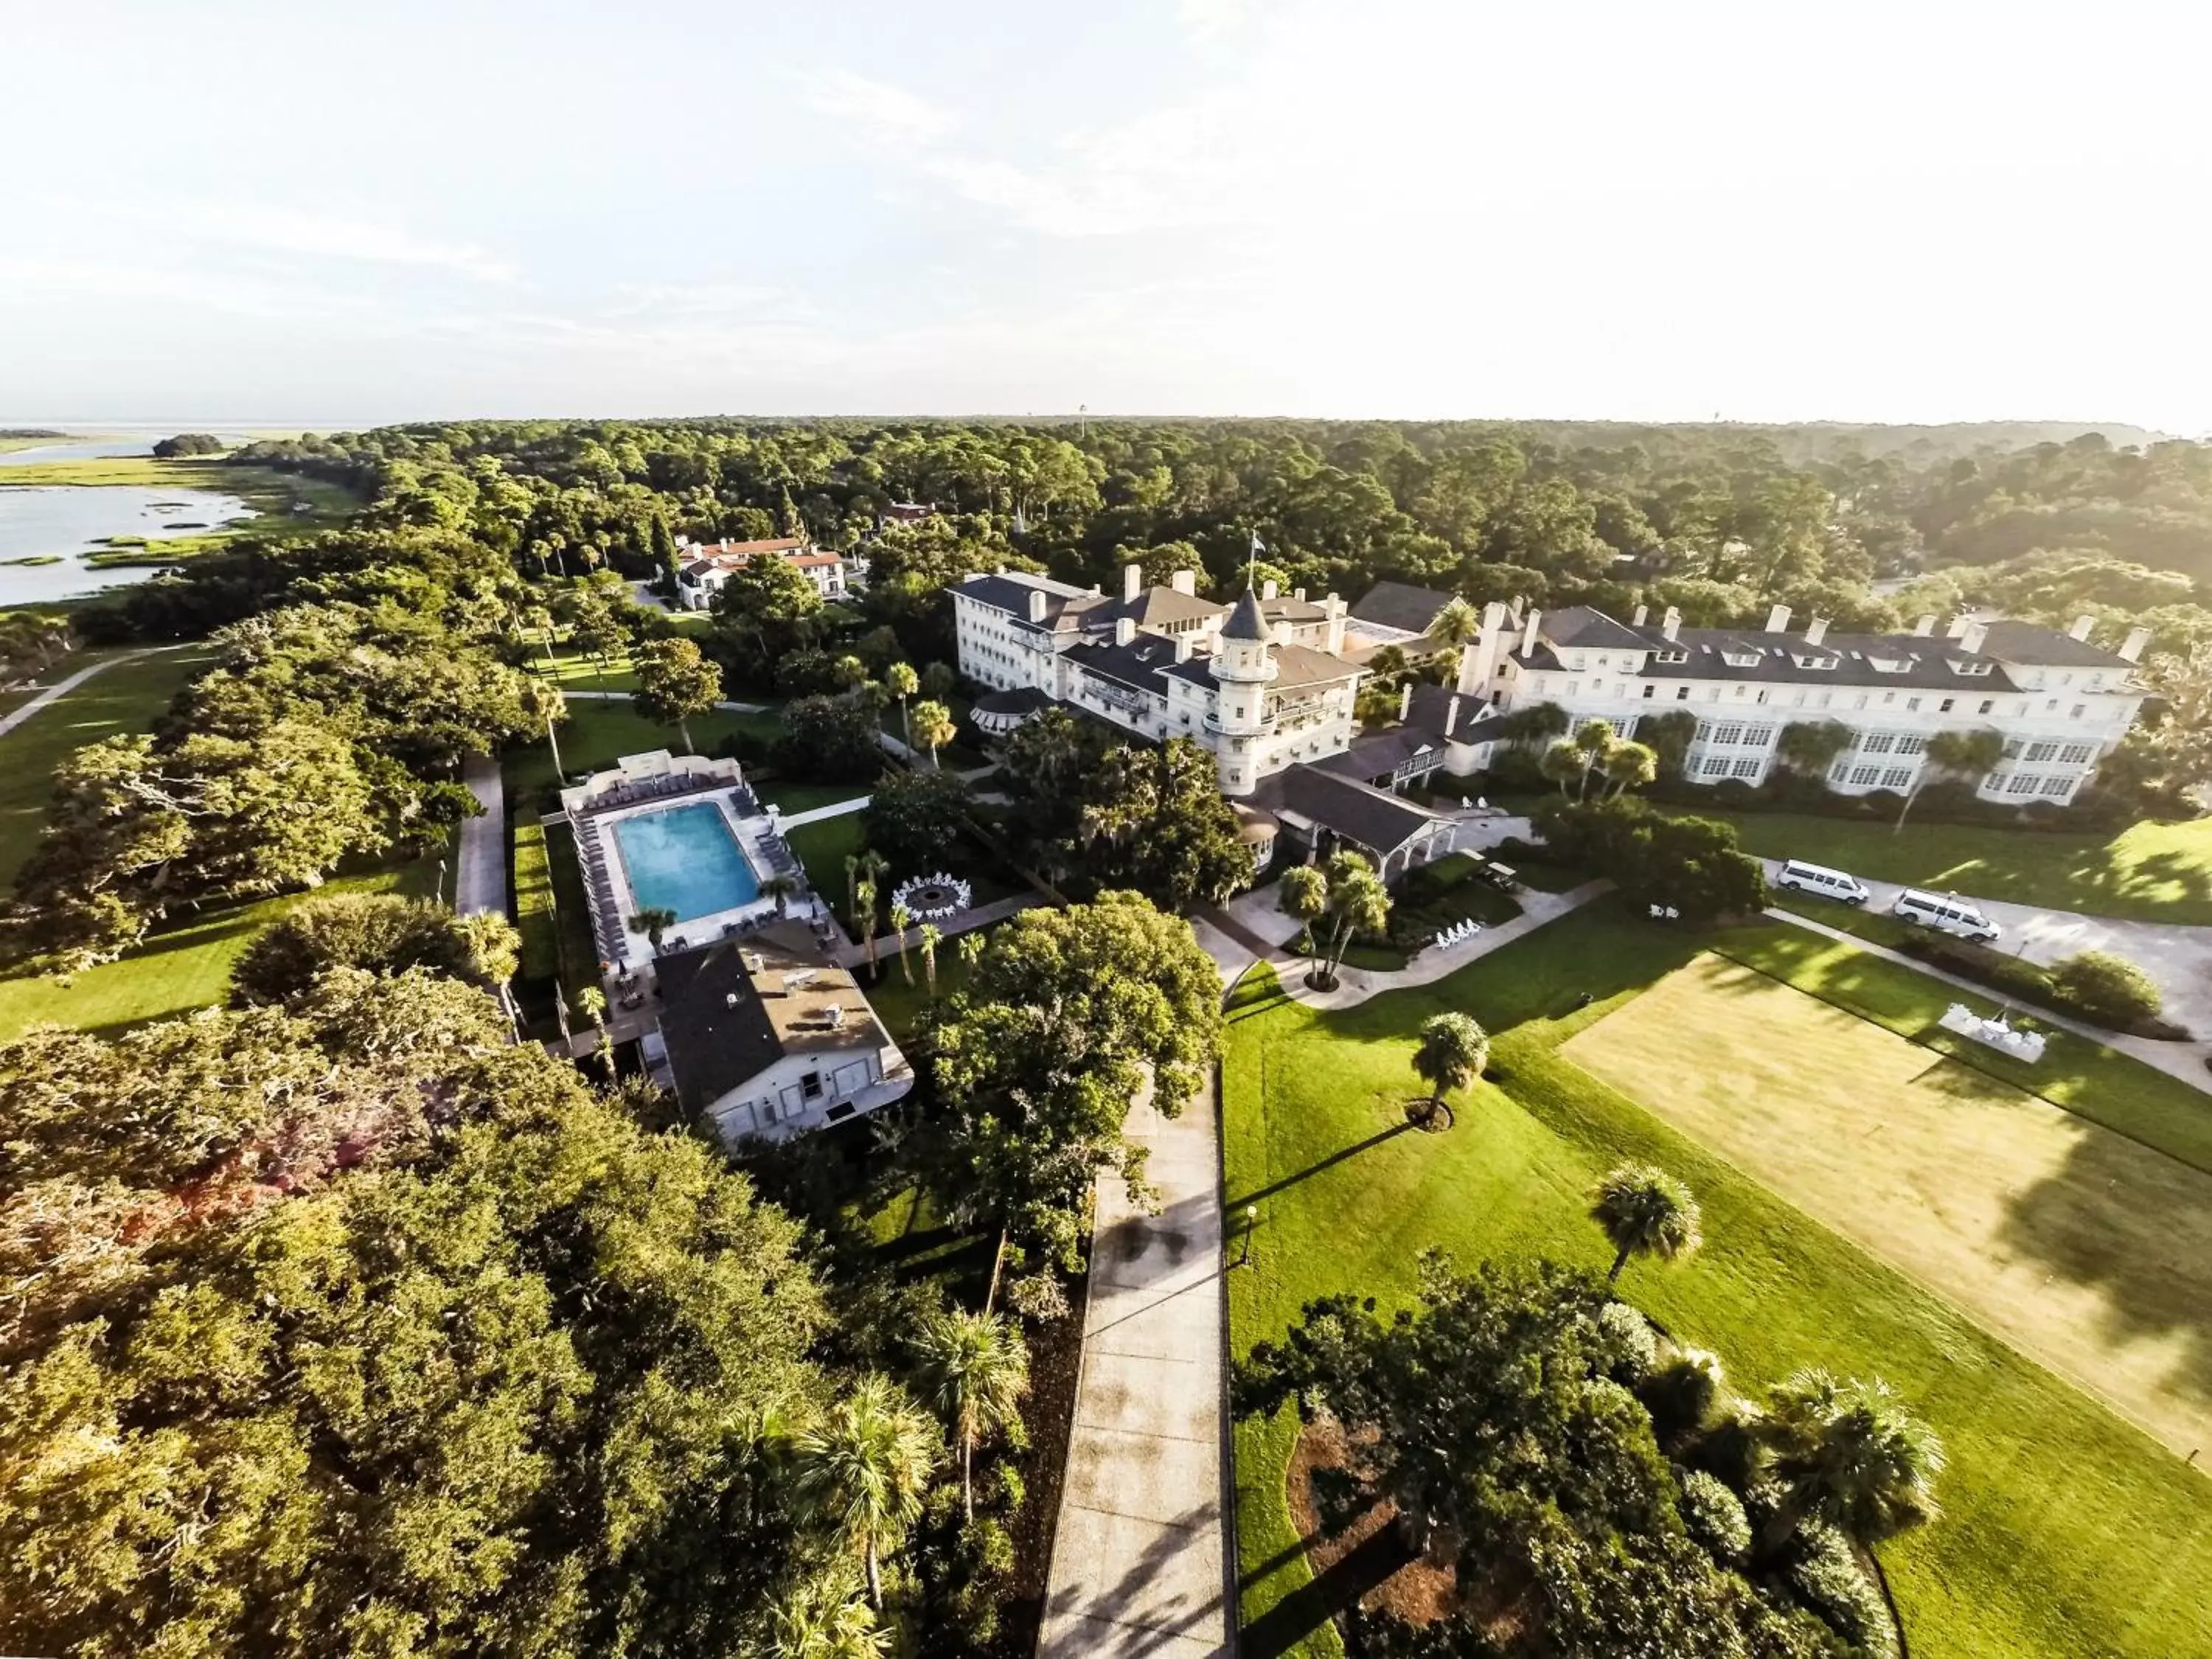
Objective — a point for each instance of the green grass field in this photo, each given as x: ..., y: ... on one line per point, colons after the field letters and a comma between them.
x: 126, y: 697
x: 2069, y: 1534
x: 2150, y: 873
x: 598, y: 733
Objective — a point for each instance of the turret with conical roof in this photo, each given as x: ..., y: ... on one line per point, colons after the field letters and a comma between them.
x: 1242, y: 667
x: 1246, y: 622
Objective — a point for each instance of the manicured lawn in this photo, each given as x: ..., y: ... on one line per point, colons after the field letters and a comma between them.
x: 2067, y: 1532
x: 898, y: 1004
x: 536, y: 918
x: 2151, y: 872
x: 796, y: 795
x: 185, y: 966
x: 126, y: 698
x: 822, y: 849
x: 598, y: 733
x: 1967, y: 1183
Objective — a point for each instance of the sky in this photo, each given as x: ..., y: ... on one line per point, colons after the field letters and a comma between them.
x: 338, y: 216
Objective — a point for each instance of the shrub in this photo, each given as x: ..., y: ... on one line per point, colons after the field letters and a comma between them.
x: 1631, y: 1349
x: 1826, y: 1576
x: 2109, y: 990
x: 1683, y: 1395
x: 1714, y: 1517
x: 379, y: 932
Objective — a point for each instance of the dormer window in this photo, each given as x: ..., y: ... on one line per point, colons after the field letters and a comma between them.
x: 1735, y: 657
x: 1966, y: 665
x: 1675, y: 655
x: 1890, y: 664
x: 1814, y: 662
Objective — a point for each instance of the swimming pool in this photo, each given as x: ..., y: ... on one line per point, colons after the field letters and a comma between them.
x: 684, y: 860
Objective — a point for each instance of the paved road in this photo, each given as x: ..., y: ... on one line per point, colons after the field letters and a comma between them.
x: 480, y: 872
x: 2179, y: 958
x: 62, y: 689
x: 1138, y: 1561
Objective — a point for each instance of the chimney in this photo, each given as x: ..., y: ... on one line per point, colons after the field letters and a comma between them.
x: 1124, y: 630
x: 1528, y: 631
x: 1923, y: 627
x: 1132, y: 580
x: 1405, y: 702
x: 2082, y: 624
x: 1451, y: 714
x: 1777, y: 620
x: 2131, y: 648
x: 1281, y: 633
x: 1038, y: 598
x: 1298, y: 594
x: 1267, y: 588
x: 1182, y: 647
x: 1185, y: 582
x: 1971, y: 636
x: 1816, y: 630
x: 1671, y: 624
x: 1642, y: 615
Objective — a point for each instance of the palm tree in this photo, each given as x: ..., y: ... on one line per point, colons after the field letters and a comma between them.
x: 1851, y: 1455
x: 825, y: 1616
x: 901, y: 682
x: 1303, y: 895
x: 1359, y: 901
x: 930, y: 935
x: 867, y: 922
x: 852, y: 891
x: 971, y: 949
x: 1593, y: 740
x: 1644, y: 1210
x: 1452, y: 628
x: 1452, y: 1051
x: 1562, y: 764
x: 902, y: 918
x: 976, y: 1369
x: 542, y: 699
x: 866, y: 1466
x: 933, y: 727
x: 1630, y: 766
x: 653, y: 921
x: 1960, y: 754
x: 1811, y: 746
x: 592, y: 1003
x: 781, y: 888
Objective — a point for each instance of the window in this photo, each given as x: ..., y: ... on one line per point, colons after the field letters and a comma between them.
x: 1897, y: 777
x: 1704, y: 733
x: 1714, y: 766
x: 2080, y: 709
x: 2076, y: 754
x: 1682, y: 693
x: 1764, y: 696
x: 1912, y: 745
x: 1574, y: 688
x: 1748, y: 767
x: 1647, y: 692
x: 1759, y: 736
x: 1878, y: 742
x: 2022, y: 783
x: 1840, y: 772
x: 1958, y: 667
x: 2060, y: 787
x: 810, y: 1085
x: 1944, y: 707
x: 1912, y: 705
x: 1864, y: 775
x: 1670, y: 656
x: 2039, y: 752
x: 2050, y: 705
x: 1728, y: 732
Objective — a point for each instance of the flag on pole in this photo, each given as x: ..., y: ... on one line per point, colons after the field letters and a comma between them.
x: 1258, y: 548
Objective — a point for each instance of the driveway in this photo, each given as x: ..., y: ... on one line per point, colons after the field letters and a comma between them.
x: 2179, y: 958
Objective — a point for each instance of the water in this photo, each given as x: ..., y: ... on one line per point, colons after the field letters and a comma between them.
x: 70, y: 519
x: 684, y: 860
x: 104, y: 443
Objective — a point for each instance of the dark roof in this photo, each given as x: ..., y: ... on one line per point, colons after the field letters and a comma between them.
x: 1154, y: 608
x: 1011, y: 594
x: 1246, y: 622
x: 713, y: 1047
x: 2046, y: 647
x: 1431, y: 706
x: 1379, y: 754
x: 1142, y: 663
x: 1020, y: 700
x: 1379, y: 821
x: 1289, y: 607
x: 1580, y: 624
x: 1401, y: 604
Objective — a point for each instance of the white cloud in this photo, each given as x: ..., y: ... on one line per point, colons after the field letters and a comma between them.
x: 373, y: 239
x: 872, y: 110
x: 1210, y: 22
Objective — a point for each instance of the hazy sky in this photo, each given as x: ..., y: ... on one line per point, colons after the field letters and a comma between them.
x: 327, y: 214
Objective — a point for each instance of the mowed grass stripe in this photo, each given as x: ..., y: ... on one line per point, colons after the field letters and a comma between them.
x: 2090, y: 1253
x: 2068, y: 1533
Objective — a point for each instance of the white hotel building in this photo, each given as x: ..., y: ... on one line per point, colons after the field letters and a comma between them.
x: 2059, y: 701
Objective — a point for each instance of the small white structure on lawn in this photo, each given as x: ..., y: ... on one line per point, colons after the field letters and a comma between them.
x: 2020, y: 1045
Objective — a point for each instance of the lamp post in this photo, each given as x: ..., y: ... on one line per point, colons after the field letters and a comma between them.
x: 1251, y: 1220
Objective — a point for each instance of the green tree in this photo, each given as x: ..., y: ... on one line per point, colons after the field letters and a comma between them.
x: 1811, y: 747
x: 1359, y: 902
x: 902, y: 918
x: 1302, y: 894
x: 933, y: 727
x: 781, y: 888
x: 592, y: 1003
x: 931, y: 936
x: 380, y: 933
x: 865, y: 1464
x: 915, y: 819
x: 1563, y: 765
x: 1629, y: 766
x: 1959, y: 755
x: 834, y: 740
x: 1593, y: 741
x: 975, y: 1370
x: 674, y: 683
x: 2109, y: 990
x: 1451, y: 1053
x: 901, y: 682
x: 1644, y: 1210
x: 1848, y: 1453
x: 653, y: 921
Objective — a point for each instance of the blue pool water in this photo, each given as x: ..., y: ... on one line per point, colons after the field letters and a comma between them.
x: 684, y: 860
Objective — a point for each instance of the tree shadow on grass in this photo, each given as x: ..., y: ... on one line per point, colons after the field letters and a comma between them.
x: 1335, y: 1158
x: 1329, y: 1593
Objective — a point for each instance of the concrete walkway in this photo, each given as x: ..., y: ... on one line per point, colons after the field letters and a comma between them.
x: 836, y: 809
x: 480, y: 870
x: 2184, y: 1060
x: 1138, y: 1563
x: 62, y: 688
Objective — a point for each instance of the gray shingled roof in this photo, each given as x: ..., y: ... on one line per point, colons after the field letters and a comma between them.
x: 1154, y: 608
x: 1379, y: 821
x: 1379, y: 754
x: 1011, y: 594
x: 1142, y: 663
x: 713, y: 1047
x: 1246, y: 622
x: 1401, y: 604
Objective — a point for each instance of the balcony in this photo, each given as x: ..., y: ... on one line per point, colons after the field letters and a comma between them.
x: 1267, y: 726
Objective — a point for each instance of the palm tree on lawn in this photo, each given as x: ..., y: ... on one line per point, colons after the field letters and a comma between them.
x: 653, y: 921
x: 1644, y: 1210
x: 1958, y: 754
x: 930, y: 936
x: 933, y: 727
x: 901, y: 682
x: 976, y: 1369
x: 542, y: 702
x: 852, y: 891
x: 1452, y: 1051
x: 1358, y: 900
x: 971, y: 947
x: 1562, y: 764
x: 1592, y: 740
x: 902, y: 918
x: 1851, y: 1455
x: 868, y: 924
x: 1630, y: 766
x: 1303, y: 896
x: 592, y: 1003
x: 781, y: 888
x: 866, y: 1465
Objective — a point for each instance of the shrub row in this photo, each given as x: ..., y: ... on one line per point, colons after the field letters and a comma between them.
x: 2094, y: 986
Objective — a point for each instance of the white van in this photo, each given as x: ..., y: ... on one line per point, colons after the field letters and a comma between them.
x: 1946, y: 914
x: 1818, y: 879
